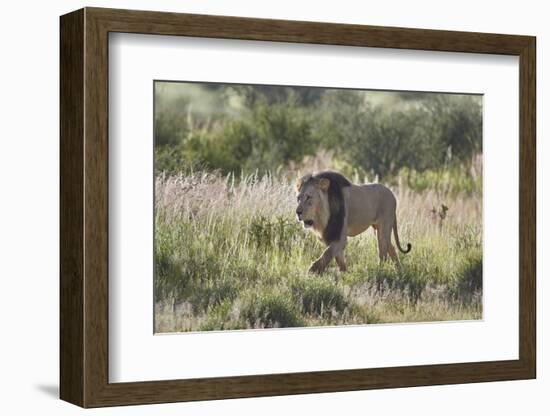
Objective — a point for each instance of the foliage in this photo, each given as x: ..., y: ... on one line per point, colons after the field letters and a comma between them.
x: 269, y: 128
x: 318, y: 296
x: 428, y: 133
x: 270, y: 308
x: 265, y: 140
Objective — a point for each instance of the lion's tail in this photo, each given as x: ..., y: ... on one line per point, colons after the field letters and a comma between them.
x: 396, y: 236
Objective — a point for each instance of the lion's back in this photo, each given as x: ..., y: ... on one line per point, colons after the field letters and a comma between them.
x: 368, y: 202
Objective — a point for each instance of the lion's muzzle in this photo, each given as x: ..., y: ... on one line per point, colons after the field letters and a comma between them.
x: 307, y: 223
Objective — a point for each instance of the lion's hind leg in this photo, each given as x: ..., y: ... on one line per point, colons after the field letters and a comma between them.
x: 393, y: 255
x: 383, y: 242
x: 385, y: 246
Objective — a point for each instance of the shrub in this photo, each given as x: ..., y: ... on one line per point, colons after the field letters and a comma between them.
x: 270, y: 308
x: 454, y: 180
x: 275, y: 127
x: 184, y: 270
x: 409, y: 280
x: 278, y: 233
x: 318, y: 296
x: 428, y: 133
x: 469, y: 282
x: 268, y: 138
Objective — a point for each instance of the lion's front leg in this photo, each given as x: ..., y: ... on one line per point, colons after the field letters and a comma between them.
x: 334, y: 249
x: 318, y: 266
x: 341, y: 262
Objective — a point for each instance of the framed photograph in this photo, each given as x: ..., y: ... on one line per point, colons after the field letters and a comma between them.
x: 255, y: 207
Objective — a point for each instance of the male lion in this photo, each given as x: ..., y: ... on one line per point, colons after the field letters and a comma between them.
x: 335, y: 208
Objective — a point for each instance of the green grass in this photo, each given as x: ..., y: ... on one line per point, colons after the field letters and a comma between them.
x: 229, y: 255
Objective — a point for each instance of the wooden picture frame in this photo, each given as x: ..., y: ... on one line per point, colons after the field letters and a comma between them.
x: 84, y: 207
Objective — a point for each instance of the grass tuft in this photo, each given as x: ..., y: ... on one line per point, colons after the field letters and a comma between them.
x: 318, y: 296
x: 270, y: 308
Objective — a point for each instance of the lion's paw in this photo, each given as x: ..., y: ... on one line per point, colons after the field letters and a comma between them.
x: 316, y: 267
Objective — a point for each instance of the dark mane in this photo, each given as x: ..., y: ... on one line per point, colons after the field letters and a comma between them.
x: 333, y: 230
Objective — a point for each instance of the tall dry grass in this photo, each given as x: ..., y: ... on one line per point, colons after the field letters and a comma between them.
x: 229, y: 255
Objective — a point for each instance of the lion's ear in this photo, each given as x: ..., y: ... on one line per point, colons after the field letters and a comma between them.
x: 301, y: 181
x: 324, y: 183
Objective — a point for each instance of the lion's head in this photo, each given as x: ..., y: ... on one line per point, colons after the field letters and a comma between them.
x: 321, y: 204
x: 313, y: 208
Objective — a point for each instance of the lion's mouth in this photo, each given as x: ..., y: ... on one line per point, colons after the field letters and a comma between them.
x: 308, y: 223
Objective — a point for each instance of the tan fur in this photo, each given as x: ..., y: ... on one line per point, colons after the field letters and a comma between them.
x: 315, y: 204
x: 371, y: 205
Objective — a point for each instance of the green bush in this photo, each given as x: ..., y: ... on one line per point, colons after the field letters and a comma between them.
x: 270, y: 308
x: 454, y: 180
x: 429, y: 133
x: 267, y: 139
x: 319, y: 296
x: 469, y: 280
x: 274, y: 233
x: 275, y: 126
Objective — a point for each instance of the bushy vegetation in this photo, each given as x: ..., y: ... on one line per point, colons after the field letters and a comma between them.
x: 269, y: 129
x: 229, y: 256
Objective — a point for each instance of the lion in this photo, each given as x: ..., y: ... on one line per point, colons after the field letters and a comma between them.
x: 335, y: 209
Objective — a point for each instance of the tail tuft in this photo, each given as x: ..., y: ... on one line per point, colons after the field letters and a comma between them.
x: 396, y: 236
x: 409, y: 247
